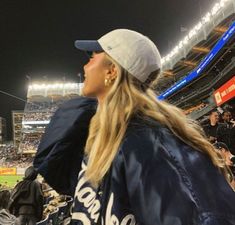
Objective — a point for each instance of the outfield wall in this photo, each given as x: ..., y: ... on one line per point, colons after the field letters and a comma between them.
x: 12, y: 171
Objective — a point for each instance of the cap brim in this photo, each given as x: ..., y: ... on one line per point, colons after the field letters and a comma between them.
x: 88, y: 45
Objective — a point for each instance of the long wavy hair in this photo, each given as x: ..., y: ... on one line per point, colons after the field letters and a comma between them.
x: 127, y: 97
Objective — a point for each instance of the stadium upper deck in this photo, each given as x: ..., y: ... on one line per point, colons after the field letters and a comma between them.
x: 191, y: 74
x: 190, y: 52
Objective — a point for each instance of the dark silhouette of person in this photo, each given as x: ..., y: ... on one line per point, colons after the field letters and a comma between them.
x: 27, y: 199
x: 5, y: 217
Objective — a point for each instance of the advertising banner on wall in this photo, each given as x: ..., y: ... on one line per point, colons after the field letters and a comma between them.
x: 225, y: 92
x: 7, y: 171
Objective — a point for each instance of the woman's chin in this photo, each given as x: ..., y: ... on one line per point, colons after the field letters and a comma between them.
x: 86, y: 93
x: 83, y: 93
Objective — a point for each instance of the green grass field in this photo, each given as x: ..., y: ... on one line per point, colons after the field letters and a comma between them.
x: 10, y: 180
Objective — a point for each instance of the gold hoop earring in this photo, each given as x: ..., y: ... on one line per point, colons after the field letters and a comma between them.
x: 107, y: 82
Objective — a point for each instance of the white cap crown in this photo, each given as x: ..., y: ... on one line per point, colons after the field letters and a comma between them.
x: 133, y: 51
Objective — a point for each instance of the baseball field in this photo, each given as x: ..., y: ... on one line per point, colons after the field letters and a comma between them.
x: 10, y: 180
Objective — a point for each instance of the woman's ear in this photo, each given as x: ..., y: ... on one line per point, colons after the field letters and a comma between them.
x: 112, y: 71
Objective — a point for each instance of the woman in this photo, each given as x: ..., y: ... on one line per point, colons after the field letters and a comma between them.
x: 145, y: 162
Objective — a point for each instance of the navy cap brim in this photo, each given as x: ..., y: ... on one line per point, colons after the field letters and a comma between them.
x: 88, y: 45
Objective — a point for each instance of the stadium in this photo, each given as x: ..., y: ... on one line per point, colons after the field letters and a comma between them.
x: 198, y: 76
x: 42, y: 102
x: 201, y: 63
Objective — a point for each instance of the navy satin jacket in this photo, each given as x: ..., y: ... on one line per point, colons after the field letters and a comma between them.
x: 155, y: 178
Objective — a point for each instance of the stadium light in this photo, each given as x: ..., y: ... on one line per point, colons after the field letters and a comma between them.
x: 71, y: 86
x: 223, y: 2
x: 163, y: 60
x: 206, y: 18
x: 181, y: 44
x: 198, y: 26
x: 185, y: 40
x: 215, y: 9
x: 194, y: 31
x: 168, y: 58
x: 53, y: 86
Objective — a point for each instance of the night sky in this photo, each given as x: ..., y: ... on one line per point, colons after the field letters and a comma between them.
x: 37, y: 37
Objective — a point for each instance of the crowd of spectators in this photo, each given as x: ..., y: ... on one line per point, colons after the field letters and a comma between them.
x: 40, y: 111
x: 220, y: 127
x: 30, y: 142
x: 43, y: 106
x: 9, y: 157
x: 37, y: 116
x: 220, y: 131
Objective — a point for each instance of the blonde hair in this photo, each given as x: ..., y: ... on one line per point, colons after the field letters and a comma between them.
x: 128, y: 97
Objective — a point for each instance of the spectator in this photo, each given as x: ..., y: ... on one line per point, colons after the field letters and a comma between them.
x: 211, y: 128
x: 225, y: 131
x: 226, y: 118
x: 10, y: 158
x: 27, y: 199
x: 5, y: 217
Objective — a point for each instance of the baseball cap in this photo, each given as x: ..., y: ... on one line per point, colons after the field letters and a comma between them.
x: 133, y: 51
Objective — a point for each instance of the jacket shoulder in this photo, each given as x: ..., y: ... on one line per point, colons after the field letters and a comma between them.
x: 143, y: 135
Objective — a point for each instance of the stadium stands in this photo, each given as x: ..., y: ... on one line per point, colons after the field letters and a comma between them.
x: 42, y: 101
x: 219, y: 69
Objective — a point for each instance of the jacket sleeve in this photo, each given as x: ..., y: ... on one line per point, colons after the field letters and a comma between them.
x: 158, y: 193
x: 60, y: 152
